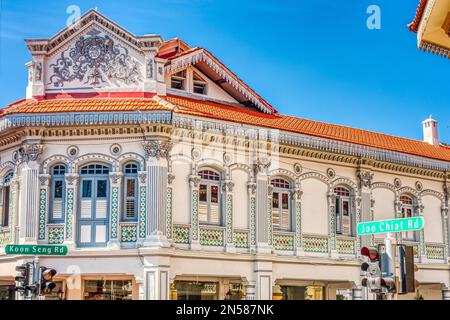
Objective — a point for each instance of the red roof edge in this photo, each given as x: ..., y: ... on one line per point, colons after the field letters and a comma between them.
x: 414, y: 25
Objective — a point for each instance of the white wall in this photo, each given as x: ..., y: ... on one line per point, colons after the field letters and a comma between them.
x: 314, y: 207
x: 240, y: 199
x: 433, y: 220
x: 181, y: 201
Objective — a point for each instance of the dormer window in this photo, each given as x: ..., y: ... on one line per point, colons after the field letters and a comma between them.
x: 178, y: 80
x: 199, y: 84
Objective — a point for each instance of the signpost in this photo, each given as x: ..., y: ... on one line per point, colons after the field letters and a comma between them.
x: 36, y: 250
x: 387, y: 226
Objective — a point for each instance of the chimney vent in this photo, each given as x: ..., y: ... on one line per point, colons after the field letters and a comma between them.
x: 430, y: 131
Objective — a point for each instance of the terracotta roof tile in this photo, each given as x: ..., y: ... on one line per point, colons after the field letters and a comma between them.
x: 414, y: 25
x: 310, y: 127
x: 213, y: 110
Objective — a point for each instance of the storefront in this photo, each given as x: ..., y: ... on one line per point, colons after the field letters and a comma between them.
x: 207, y: 289
x: 108, y: 290
x: 7, y: 291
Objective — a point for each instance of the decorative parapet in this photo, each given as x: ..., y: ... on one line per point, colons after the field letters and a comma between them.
x: 315, y: 243
x: 55, y: 233
x: 180, y: 233
x: 345, y: 245
x: 435, y: 251
x: 241, y: 238
x: 212, y: 236
x: 283, y: 240
x: 128, y: 231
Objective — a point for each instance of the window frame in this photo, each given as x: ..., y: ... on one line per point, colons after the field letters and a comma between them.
x: 200, y: 81
x: 209, y: 183
x: 339, y: 209
x: 403, y: 208
x: 55, y: 178
x: 286, y: 189
x: 182, y: 78
x: 6, y: 198
x: 130, y: 176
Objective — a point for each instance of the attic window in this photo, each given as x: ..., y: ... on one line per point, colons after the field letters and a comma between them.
x: 446, y: 25
x: 199, y: 84
x: 178, y: 80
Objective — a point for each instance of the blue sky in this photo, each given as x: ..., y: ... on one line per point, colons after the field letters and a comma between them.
x: 314, y: 59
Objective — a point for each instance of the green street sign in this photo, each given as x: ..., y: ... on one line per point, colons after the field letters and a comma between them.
x: 394, y: 225
x: 35, y: 250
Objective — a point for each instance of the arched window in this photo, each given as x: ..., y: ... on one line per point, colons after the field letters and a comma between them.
x: 281, y: 204
x: 5, y: 199
x: 57, y: 194
x: 130, y: 191
x: 209, y: 197
x: 345, y: 218
x: 407, y: 211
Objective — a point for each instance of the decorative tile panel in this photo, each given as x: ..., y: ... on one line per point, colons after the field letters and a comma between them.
x: 435, y: 251
x: 283, y: 241
x: 55, y: 234
x: 194, y: 215
x: 114, y: 212
x: 142, y: 211
x: 240, y: 239
x: 229, y: 218
x: 345, y: 245
x: 169, y: 214
x: 298, y: 225
x: 315, y: 244
x: 42, y: 212
x: 252, y: 221
x: 128, y: 232
x: 210, y: 236
x: 269, y: 220
x: 70, y: 214
x: 180, y: 233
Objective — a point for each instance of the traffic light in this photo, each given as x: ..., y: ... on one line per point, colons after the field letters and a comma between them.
x: 46, y: 280
x: 407, y: 269
x: 372, y: 269
x: 22, y: 278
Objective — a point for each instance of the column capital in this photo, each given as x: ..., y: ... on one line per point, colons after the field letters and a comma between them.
x: 227, y: 186
x: 71, y: 179
x: 364, y: 179
x: 251, y: 187
x: 157, y: 149
x: 30, y: 152
x: 44, y: 180
x: 261, y: 166
x: 296, y: 193
x: 115, y: 177
x: 194, y: 181
x: 142, y: 175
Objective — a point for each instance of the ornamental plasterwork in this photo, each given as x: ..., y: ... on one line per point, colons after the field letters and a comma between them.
x: 8, y: 165
x: 142, y: 177
x: 261, y: 165
x: 95, y: 59
x: 227, y: 186
x: 315, y: 175
x: 71, y: 179
x: 331, y: 173
x: 397, y: 183
x: 296, y: 193
x: 298, y: 168
x: 132, y: 156
x: 92, y: 157
x: 385, y: 185
x: 428, y: 192
x: 47, y: 163
x: 30, y: 152
x: 419, y: 186
x: 44, y: 180
x: 194, y: 181
x: 251, y: 186
x: 364, y: 178
x: 345, y: 181
x: 408, y: 190
x: 170, y: 178
x: 283, y: 172
x: 157, y: 149
x: 115, y: 177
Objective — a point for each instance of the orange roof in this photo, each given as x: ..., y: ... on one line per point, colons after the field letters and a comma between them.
x: 213, y: 110
x: 310, y: 127
x: 414, y: 25
x: 84, y: 105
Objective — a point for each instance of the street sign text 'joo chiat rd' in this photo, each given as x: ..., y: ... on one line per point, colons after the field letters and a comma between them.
x: 386, y: 226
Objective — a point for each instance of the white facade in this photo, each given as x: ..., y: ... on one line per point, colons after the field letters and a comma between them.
x: 178, y: 226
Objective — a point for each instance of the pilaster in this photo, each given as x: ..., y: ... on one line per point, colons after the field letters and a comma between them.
x: 263, y: 207
x: 365, y: 176
x: 158, y: 153
x: 194, y: 182
x: 142, y: 199
x: 44, y: 189
x: 332, y: 222
x: 296, y: 196
x: 227, y: 192
x: 251, y: 188
x: 71, y: 192
x: 115, y: 180
x: 29, y: 154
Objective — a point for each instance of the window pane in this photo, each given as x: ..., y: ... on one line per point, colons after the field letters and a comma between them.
x: 101, y: 189
x: 87, y: 189
x: 285, y: 201
x: 345, y: 206
x: 214, y: 194
x: 130, y: 208
x: 131, y: 184
x: 58, y: 189
x: 203, y: 193
x: 275, y: 200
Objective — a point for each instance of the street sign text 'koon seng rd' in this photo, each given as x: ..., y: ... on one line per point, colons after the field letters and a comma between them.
x: 36, y: 250
x: 386, y: 226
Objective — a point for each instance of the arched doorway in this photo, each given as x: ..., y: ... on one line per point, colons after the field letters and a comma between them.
x: 93, y: 206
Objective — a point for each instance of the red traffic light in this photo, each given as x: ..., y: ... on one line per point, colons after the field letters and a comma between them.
x: 371, y: 253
